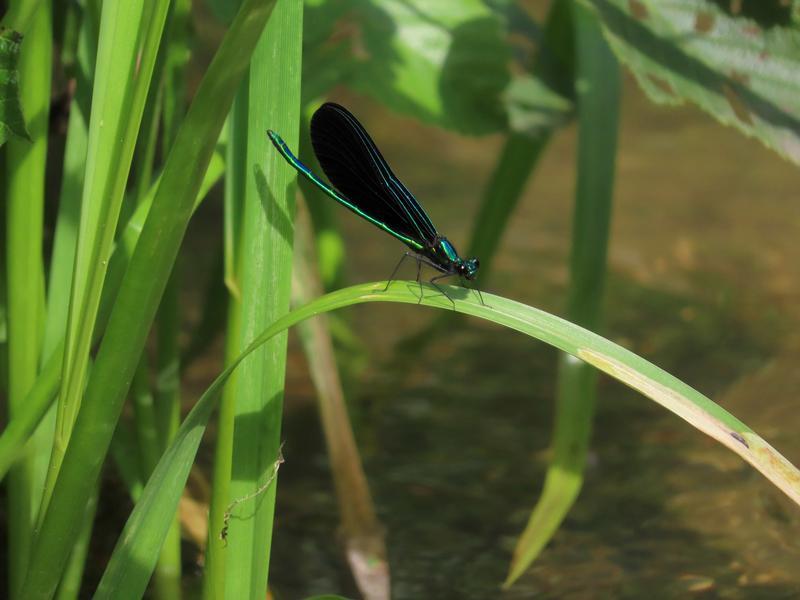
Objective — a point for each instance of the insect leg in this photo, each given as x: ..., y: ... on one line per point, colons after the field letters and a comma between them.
x: 422, y: 259
x: 419, y: 279
x: 391, y: 277
x: 480, y: 297
x: 477, y: 290
x: 441, y: 289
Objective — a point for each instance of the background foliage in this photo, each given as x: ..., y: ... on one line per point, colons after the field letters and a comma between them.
x: 92, y: 360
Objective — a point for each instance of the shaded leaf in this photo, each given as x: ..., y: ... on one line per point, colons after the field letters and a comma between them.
x: 534, y: 108
x: 741, y: 73
x: 445, y: 63
x: 11, y: 120
x: 321, y: 20
x: 223, y: 10
x: 544, y: 98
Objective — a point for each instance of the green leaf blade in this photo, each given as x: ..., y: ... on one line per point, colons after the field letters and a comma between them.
x: 151, y: 518
x: 732, y: 68
x: 267, y: 232
x: 24, y: 198
x: 130, y: 33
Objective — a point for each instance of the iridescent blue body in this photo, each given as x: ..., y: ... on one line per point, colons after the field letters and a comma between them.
x: 364, y: 183
x: 445, y: 258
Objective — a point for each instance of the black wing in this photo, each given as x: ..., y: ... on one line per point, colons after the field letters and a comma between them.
x: 356, y: 168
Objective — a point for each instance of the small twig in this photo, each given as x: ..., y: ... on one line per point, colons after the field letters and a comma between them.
x: 223, y: 534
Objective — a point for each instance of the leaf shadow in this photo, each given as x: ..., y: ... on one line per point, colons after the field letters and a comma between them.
x: 277, y: 218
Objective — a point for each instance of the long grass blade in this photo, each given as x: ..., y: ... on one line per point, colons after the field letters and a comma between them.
x: 129, y: 38
x: 148, y: 524
x: 598, y: 115
x: 167, y: 393
x: 69, y: 202
x: 69, y: 588
x: 266, y: 267
x: 166, y: 415
x: 214, y: 574
x: 25, y: 186
x: 80, y: 63
x: 236, y: 158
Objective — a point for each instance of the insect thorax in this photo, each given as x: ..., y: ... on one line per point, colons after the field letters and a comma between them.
x: 444, y: 254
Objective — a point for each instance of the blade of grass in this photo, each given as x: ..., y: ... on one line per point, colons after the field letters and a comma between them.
x: 44, y: 390
x: 360, y: 530
x: 236, y: 158
x: 69, y: 203
x: 124, y: 453
x: 127, y: 47
x: 69, y: 587
x: 151, y: 443
x: 598, y: 114
x: 25, y: 186
x: 266, y: 267
x: 144, y: 152
x: 157, y: 411
x: 212, y: 317
x: 22, y: 425
x: 177, y: 58
x: 79, y: 63
x: 145, y: 530
x: 139, y: 296
x: 144, y: 418
x: 166, y: 421
x: 214, y: 574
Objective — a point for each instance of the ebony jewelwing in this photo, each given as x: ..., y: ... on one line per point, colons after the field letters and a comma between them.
x: 364, y: 183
